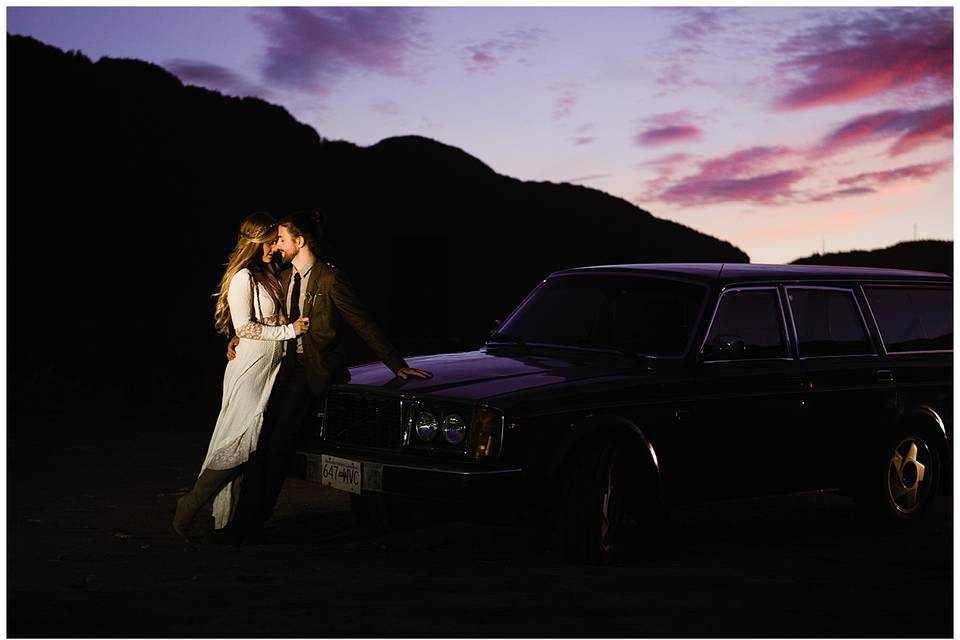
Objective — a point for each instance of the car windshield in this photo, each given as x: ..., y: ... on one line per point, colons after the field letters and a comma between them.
x: 641, y: 315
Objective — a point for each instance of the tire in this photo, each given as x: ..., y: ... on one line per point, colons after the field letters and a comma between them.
x: 903, y: 479
x: 379, y: 512
x: 597, y: 498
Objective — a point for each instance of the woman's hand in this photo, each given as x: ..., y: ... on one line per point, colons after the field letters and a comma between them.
x: 232, y: 347
x: 301, y: 326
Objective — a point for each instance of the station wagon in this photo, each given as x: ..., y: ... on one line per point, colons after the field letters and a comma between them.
x: 627, y: 389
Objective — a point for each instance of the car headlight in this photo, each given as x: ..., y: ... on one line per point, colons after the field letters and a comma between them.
x: 427, y: 426
x: 454, y: 428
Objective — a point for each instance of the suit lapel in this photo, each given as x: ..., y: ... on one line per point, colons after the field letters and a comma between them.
x: 313, y: 283
x: 314, y: 280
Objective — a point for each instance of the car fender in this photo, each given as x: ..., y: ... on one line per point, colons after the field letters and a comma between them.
x: 927, y: 414
x: 596, y: 426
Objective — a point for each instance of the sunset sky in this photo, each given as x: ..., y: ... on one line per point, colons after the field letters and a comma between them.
x: 777, y: 130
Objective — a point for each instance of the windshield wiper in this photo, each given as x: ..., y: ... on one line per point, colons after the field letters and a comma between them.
x: 631, y: 352
x: 507, y: 338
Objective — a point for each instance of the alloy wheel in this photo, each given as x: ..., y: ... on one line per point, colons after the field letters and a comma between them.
x: 908, y: 474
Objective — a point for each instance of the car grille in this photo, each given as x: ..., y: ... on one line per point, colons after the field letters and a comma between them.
x: 364, y: 420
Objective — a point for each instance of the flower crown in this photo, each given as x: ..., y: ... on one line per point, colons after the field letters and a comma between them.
x: 249, y: 236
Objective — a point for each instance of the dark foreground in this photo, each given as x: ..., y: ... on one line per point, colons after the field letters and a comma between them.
x: 90, y: 553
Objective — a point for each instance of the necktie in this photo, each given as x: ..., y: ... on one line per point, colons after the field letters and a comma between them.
x: 295, y: 298
x: 294, y: 315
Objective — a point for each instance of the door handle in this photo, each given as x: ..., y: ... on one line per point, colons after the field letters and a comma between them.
x: 884, y: 375
x: 795, y: 381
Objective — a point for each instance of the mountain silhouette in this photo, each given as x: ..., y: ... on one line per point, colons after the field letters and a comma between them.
x: 126, y: 189
x: 920, y: 255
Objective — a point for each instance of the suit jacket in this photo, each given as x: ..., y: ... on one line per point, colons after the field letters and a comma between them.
x: 331, y: 303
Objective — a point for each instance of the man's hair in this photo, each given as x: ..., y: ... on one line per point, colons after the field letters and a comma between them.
x: 305, y: 224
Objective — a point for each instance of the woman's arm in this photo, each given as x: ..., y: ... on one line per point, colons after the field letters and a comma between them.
x: 243, y: 313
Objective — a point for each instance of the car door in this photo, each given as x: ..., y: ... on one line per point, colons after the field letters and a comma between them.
x: 915, y: 329
x: 749, y: 396
x: 850, y: 383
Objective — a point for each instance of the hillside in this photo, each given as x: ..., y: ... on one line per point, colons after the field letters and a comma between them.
x: 920, y: 255
x: 126, y: 189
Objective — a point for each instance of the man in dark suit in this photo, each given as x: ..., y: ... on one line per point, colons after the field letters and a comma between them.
x: 312, y: 362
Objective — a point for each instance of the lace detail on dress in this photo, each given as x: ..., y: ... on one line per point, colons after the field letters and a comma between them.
x: 237, y: 452
x: 254, y: 330
x: 251, y: 330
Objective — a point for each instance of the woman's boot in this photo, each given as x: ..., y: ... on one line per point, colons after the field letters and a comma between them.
x: 207, y: 485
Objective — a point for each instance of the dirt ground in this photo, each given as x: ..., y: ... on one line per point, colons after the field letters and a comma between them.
x: 91, y: 553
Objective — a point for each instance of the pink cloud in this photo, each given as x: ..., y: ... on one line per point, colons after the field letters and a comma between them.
x: 488, y: 55
x: 911, y: 172
x: 769, y: 188
x: 746, y: 161
x: 564, y: 106
x: 748, y: 175
x: 590, y: 178
x: 481, y: 61
x: 568, y: 96
x: 668, y: 161
x: 889, y: 49
x: 665, y: 167
x: 910, y: 129
x: 668, y: 135
x: 310, y: 49
x: 667, y: 128
x: 865, y: 183
x: 668, y: 165
x: 213, y: 76
x: 669, y: 119
x: 842, y: 193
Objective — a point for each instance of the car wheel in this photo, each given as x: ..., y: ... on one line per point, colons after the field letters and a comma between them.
x: 904, y: 480
x: 378, y: 511
x: 596, y: 505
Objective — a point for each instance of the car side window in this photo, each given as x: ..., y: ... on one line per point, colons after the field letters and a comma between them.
x: 828, y: 322
x: 746, y: 326
x: 913, y: 318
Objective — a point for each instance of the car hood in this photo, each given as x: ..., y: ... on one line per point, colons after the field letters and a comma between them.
x: 483, y: 374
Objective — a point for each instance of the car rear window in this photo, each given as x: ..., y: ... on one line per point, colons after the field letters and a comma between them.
x: 913, y: 318
x: 828, y: 322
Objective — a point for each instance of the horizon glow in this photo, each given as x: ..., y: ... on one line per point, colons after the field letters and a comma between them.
x: 780, y: 130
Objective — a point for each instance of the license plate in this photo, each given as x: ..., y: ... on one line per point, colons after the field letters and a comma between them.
x: 340, y: 473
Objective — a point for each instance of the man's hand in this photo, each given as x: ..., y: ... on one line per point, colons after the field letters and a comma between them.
x: 410, y: 372
x: 232, y: 347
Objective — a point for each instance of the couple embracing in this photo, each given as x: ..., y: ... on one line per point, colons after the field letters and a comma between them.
x: 289, y: 350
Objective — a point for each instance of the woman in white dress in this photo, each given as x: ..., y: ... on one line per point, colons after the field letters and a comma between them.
x: 249, y: 301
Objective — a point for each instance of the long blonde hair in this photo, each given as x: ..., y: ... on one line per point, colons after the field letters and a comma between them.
x: 256, y: 230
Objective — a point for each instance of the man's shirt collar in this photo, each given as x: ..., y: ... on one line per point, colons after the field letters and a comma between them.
x: 305, y: 266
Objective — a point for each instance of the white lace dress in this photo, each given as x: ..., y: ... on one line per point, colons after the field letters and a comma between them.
x: 247, y: 382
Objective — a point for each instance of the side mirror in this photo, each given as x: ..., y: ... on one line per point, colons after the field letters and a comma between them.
x: 724, y: 348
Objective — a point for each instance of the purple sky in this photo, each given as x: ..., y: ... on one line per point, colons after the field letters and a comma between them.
x: 780, y: 130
